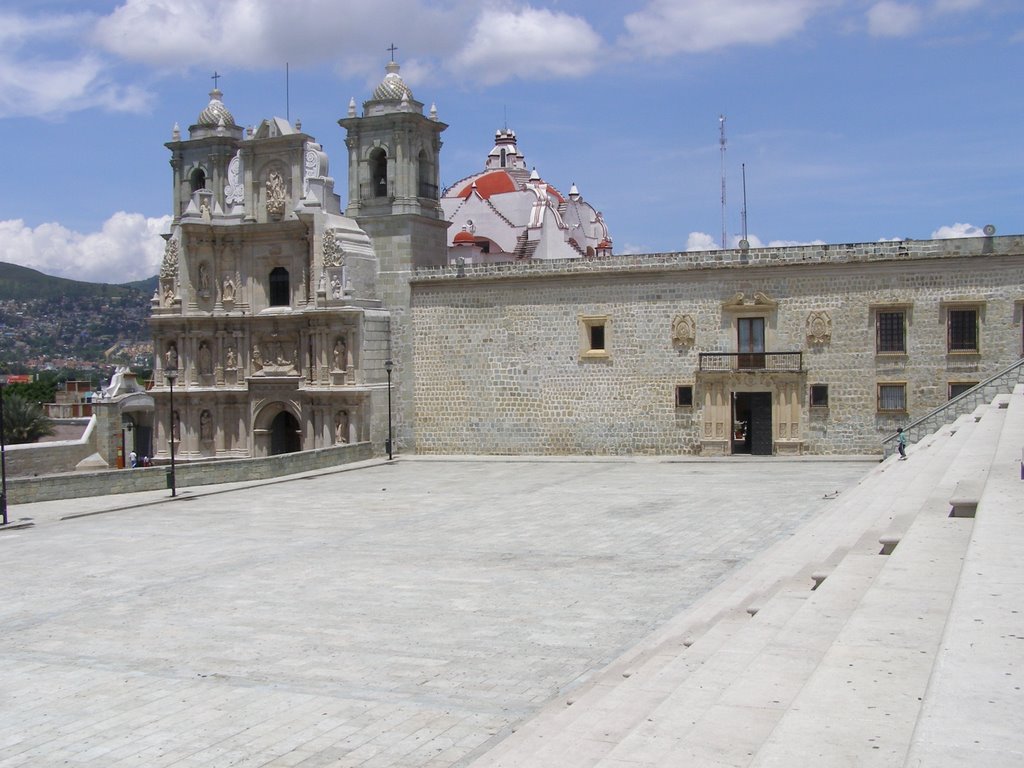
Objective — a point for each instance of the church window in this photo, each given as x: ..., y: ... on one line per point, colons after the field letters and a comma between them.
x: 963, y: 330
x: 890, y: 332
x: 379, y: 173
x: 684, y: 396
x: 198, y: 179
x: 819, y: 396
x: 504, y: 153
x: 892, y: 397
x: 280, y: 291
x: 427, y: 187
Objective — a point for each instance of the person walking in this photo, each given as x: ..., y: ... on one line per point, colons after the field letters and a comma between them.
x: 901, y: 443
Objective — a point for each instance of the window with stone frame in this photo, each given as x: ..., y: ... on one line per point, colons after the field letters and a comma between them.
x: 819, y: 396
x: 684, y: 396
x: 962, y: 329
x: 892, y: 397
x: 891, y: 331
x: 280, y: 288
x: 957, y: 388
x: 594, y: 336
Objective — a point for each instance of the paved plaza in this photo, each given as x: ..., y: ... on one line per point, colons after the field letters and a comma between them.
x: 403, y: 614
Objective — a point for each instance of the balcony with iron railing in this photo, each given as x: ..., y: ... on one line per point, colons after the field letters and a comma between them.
x: 775, y: 362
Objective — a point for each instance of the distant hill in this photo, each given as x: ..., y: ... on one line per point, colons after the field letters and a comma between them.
x: 17, y: 282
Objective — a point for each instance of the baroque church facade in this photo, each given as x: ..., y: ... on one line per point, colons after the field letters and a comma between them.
x: 509, y: 326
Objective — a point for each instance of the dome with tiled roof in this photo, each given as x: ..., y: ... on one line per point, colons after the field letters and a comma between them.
x: 215, y: 112
x: 392, y: 86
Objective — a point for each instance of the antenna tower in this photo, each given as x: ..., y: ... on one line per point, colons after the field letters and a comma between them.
x: 744, y: 168
x: 721, y: 144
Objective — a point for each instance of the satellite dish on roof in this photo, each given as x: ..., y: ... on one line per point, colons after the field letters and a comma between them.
x: 989, y: 230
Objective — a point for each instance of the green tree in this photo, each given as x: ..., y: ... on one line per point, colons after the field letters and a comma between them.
x: 24, y: 421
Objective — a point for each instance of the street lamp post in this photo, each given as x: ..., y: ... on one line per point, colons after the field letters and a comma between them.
x: 3, y: 457
x: 172, y: 374
x: 389, y: 366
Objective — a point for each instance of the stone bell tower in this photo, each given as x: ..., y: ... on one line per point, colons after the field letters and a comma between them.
x: 393, y: 193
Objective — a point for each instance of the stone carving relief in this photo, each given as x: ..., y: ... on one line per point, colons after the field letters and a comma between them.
x: 275, y: 356
x: 234, y: 194
x: 819, y: 327
x: 169, y: 274
x: 740, y: 299
x: 333, y: 253
x: 684, y: 330
x: 275, y: 195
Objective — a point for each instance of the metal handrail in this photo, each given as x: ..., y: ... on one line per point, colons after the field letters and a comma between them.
x: 953, y: 403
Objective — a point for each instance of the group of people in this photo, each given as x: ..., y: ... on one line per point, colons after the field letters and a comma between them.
x: 134, y: 461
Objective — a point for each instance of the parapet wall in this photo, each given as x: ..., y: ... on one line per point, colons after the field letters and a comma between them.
x: 81, y: 484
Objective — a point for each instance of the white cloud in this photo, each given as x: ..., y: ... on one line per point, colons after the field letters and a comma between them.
x: 127, y: 248
x: 957, y: 230
x: 957, y: 6
x: 667, y: 27
x: 701, y: 241
x: 891, y: 19
x: 36, y: 81
x: 527, y: 43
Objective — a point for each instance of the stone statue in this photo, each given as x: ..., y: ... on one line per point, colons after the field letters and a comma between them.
x: 204, y: 278
x: 205, y: 358
x: 340, y: 355
x: 257, y: 358
x: 175, y: 426
x: 336, y: 288
x: 231, y: 359
x: 228, y: 292
x: 171, y: 357
x: 341, y: 427
x: 205, y: 426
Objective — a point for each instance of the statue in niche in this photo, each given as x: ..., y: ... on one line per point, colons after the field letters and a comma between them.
x: 205, y: 358
x: 169, y: 295
x: 336, y: 288
x: 228, y: 291
x: 257, y: 358
x: 176, y: 426
x: 322, y: 286
x: 204, y: 279
x: 230, y: 358
x: 340, y: 354
x: 205, y: 426
x: 341, y: 427
x: 171, y: 357
x: 275, y: 194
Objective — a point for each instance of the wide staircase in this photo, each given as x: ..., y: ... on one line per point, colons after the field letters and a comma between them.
x: 887, y: 632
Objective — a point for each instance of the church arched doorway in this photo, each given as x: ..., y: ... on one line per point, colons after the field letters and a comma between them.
x: 284, y: 434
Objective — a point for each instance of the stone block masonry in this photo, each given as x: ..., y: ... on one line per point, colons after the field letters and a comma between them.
x: 501, y: 368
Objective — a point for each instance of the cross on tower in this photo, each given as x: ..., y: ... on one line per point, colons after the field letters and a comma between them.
x: 215, y: 77
x: 392, y: 49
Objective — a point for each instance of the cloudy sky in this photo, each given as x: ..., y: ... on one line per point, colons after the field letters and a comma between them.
x: 856, y: 120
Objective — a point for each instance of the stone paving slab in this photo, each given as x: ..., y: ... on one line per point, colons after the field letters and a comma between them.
x: 404, y: 614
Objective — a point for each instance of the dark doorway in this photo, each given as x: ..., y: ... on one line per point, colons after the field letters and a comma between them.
x: 143, y: 440
x: 752, y: 423
x: 284, y: 434
x: 280, y: 289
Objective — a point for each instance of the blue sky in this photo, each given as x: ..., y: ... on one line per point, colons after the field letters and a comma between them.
x: 856, y: 120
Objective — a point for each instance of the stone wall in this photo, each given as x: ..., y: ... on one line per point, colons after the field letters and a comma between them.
x: 81, y: 484
x: 499, y: 368
x: 32, y: 459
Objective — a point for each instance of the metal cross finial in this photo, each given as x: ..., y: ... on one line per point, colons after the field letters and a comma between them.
x: 215, y: 77
x: 392, y: 49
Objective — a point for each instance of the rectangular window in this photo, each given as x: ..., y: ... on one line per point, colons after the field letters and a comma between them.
x: 684, y: 396
x: 750, y: 342
x: 957, y: 388
x: 890, y: 332
x: 819, y: 395
x: 963, y: 330
x: 594, y: 336
x: 892, y: 397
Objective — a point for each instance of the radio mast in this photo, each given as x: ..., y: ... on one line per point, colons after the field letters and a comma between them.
x: 721, y: 143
